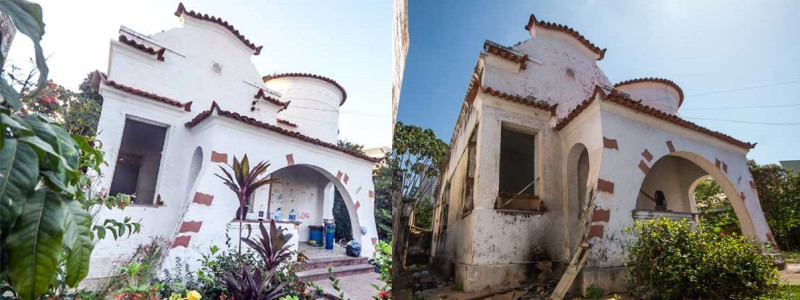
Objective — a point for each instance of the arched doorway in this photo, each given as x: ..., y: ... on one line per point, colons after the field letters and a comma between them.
x: 308, y: 193
x: 194, y: 168
x: 668, y: 190
x: 577, y: 178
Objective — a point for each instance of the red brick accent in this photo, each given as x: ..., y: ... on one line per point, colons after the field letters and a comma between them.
x: 357, y: 205
x: 770, y: 237
x: 646, y: 154
x: 601, y: 215
x: 346, y: 178
x: 596, y: 231
x: 372, y: 194
x: 219, y: 157
x: 610, y: 143
x: 374, y: 240
x: 670, y: 146
x: 189, y: 226
x: 643, y: 166
x: 752, y: 184
x: 718, y: 163
x: 605, y: 186
x: 289, y: 159
x: 339, y: 175
x: 724, y: 167
x: 743, y: 196
x: 181, y: 241
x: 204, y: 199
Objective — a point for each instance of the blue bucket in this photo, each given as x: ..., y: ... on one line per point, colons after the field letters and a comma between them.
x: 329, y: 236
x: 315, y: 235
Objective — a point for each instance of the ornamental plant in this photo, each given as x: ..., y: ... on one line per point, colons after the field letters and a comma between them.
x: 670, y: 260
x: 383, y: 260
x: 243, y: 181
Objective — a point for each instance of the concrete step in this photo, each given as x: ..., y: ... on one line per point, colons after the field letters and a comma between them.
x: 332, y: 262
x: 338, y: 272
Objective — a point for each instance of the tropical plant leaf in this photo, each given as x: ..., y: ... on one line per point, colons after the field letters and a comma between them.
x: 58, y: 138
x: 27, y: 17
x: 19, y: 168
x: 78, y: 239
x: 35, y: 244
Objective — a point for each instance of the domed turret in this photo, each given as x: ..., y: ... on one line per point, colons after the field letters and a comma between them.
x: 658, y: 93
x: 314, y: 103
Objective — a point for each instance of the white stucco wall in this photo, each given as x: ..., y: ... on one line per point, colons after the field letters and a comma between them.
x: 621, y: 146
x: 204, y: 62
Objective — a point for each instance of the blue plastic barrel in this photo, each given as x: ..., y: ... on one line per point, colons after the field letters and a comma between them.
x: 315, y: 235
x: 329, y: 236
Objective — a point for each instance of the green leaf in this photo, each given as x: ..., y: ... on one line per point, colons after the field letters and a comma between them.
x: 27, y: 18
x: 78, y: 239
x: 35, y: 244
x: 101, y: 231
x: 19, y: 168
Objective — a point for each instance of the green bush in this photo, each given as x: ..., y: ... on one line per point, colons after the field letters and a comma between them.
x: 670, y: 260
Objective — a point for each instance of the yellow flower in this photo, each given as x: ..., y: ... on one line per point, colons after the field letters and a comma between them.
x: 193, y: 295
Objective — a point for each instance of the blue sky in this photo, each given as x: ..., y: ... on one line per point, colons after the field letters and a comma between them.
x: 348, y: 41
x: 715, y: 52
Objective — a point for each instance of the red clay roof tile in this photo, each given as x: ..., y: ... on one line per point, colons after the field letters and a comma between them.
x: 253, y: 122
x: 282, y: 121
x: 323, y: 78
x: 141, y: 47
x: 205, y: 17
x: 553, y: 26
x: 506, y: 53
x: 186, y: 106
x: 659, y: 80
x: 615, y: 97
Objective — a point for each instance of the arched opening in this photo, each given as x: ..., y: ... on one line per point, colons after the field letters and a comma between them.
x: 306, y: 196
x: 715, y: 211
x: 669, y: 189
x: 577, y: 177
x: 194, y: 168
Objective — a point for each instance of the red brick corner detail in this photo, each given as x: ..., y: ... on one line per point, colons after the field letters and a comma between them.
x: 605, y: 186
x: 725, y: 167
x: 357, y: 205
x: 372, y: 194
x: 204, y: 199
x: 289, y: 159
x: 346, y: 178
x: 190, y: 226
x: 670, y: 146
x: 219, y: 157
x: 610, y: 143
x: 646, y: 154
x: 374, y: 240
x: 643, y: 166
x: 339, y: 175
x: 753, y: 184
x: 181, y: 241
x: 601, y: 215
x: 596, y: 231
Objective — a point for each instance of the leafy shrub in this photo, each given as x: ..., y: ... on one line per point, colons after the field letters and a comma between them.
x: 257, y: 283
x: 383, y: 259
x: 670, y: 260
x: 594, y: 292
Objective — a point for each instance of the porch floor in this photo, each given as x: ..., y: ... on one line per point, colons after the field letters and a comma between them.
x: 313, y: 252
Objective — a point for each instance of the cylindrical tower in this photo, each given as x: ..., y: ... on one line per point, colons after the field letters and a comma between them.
x: 658, y: 93
x: 314, y: 103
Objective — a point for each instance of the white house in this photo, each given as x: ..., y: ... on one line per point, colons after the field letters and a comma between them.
x: 541, y: 130
x: 180, y: 103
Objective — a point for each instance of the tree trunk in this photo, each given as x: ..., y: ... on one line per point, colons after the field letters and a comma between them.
x: 397, y: 205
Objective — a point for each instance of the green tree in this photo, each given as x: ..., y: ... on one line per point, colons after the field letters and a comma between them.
x: 382, y: 179
x: 351, y: 146
x: 779, y: 193
x: 417, y: 156
x: 716, y: 212
x: 423, y: 213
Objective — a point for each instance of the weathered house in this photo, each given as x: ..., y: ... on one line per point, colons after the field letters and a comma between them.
x: 540, y: 131
x: 180, y: 103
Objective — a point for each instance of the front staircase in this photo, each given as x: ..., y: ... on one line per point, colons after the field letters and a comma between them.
x: 317, y: 268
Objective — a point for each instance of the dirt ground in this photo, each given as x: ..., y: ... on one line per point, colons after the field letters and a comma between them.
x: 791, y: 275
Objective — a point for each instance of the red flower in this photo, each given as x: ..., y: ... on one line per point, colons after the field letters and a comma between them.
x: 384, y: 295
x: 721, y: 234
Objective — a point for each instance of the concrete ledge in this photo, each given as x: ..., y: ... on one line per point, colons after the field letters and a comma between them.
x: 610, y: 279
